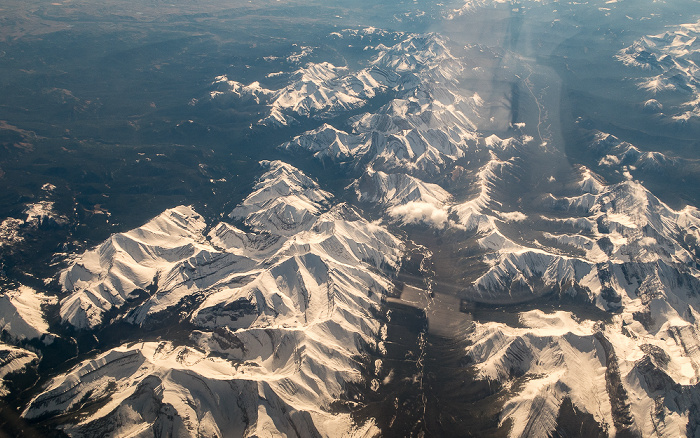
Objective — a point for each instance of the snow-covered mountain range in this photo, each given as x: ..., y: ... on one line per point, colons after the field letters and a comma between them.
x: 265, y: 323
x: 613, y: 247
x: 667, y: 64
x: 279, y: 315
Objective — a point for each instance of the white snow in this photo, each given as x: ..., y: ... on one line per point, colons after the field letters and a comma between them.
x: 559, y: 357
x: 416, y: 211
x: 127, y: 262
x: 10, y: 231
x: 14, y: 360
x: 315, y: 90
x: 643, y: 269
x: 285, y: 311
x: 668, y: 63
x: 21, y: 314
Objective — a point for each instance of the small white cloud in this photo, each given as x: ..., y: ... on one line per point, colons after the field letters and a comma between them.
x: 514, y: 216
x: 415, y: 212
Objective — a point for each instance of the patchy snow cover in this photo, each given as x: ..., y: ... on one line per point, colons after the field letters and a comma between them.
x: 471, y: 6
x: 426, y: 127
x: 625, y: 252
x: 10, y: 233
x: 158, y: 386
x: 557, y: 357
x: 628, y: 230
x: 21, y: 313
x: 407, y: 145
x: 316, y: 90
x: 670, y: 59
x: 636, y: 259
x: 43, y: 213
x: 281, y: 313
x: 281, y: 305
x: 616, y: 247
x: 628, y: 379
x: 14, y: 360
x: 38, y: 214
x: 406, y: 198
x: 623, y: 156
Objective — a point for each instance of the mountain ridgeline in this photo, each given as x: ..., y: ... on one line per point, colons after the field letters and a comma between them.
x: 461, y: 276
